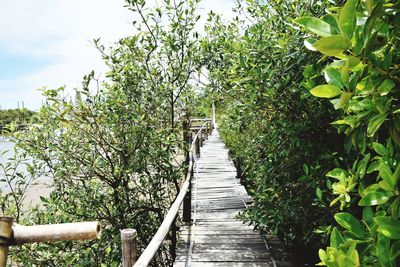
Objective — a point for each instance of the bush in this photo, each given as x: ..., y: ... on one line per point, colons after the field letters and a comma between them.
x: 362, y: 79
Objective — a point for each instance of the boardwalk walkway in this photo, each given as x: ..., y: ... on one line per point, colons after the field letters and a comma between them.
x: 216, y: 237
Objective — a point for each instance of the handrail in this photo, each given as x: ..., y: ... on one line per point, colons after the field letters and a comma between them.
x: 19, y: 234
x: 152, y: 248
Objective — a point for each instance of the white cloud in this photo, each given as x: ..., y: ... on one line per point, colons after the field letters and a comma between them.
x: 60, y: 32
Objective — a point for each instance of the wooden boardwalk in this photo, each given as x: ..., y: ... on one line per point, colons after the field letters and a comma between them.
x: 216, y: 237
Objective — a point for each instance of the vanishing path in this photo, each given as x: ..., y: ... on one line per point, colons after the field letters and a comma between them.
x: 216, y: 237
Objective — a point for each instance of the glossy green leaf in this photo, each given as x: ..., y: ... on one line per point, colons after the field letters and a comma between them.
x: 379, y: 148
x: 383, y: 251
x: 332, y: 76
x: 345, y: 98
x: 388, y: 227
x: 309, y: 44
x: 373, y: 167
x: 315, y: 25
x: 336, y: 238
x: 345, y: 74
x: 349, y: 222
x: 336, y: 173
x: 347, y: 18
x: 326, y: 91
x: 332, y: 45
x: 386, y: 174
x: 396, y: 175
x: 385, y: 87
x: 375, y: 123
x: 368, y: 215
x: 375, y: 198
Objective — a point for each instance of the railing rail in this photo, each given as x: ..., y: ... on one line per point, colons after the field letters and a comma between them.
x: 183, y: 197
x: 13, y: 234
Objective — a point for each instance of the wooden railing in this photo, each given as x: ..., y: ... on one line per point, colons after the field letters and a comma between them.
x: 128, y: 236
x: 13, y: 234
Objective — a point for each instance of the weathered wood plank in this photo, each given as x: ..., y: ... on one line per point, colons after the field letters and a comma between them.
x: 217, y: 237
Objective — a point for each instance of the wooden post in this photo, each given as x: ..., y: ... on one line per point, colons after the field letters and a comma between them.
x: 197, y: 146
x: 239, y: 173
x: 206, y: 132
x: 187, y: 202
x: 5, y: 238
x: 129, y: 249
x: 200, y: 137
x: 213, y: 115
x: 190, y: 138
x: 186, y: 140
x: 173, y: 239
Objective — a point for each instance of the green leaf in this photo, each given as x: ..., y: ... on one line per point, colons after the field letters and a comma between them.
x: 388, y: 227
x: 373, y: 167
x: 375, y: 198
x: 396, y: 175
x: 379, y: 148
x: 385, y: 87
x: 315, y: 25
x: 344, y: 98
x: 309, y: 44
x: 368, y: 216
x: 332, y: 45
x: 326, y: 91
x: 318, y: 192
x: 375, y: 123
x: 345, y: 74
x: 386, y: 174
x: 348, y: 19
x: 395, y: 250
x: 332, y: 76
x: 336, y: 238
x: 383, y: 250
x: 336, y: 173
x: 349, y: 222
x: 352, y: 61
x: 323, y: 256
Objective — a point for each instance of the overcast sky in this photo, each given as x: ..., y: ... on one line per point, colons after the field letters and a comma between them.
x: 49, y: 42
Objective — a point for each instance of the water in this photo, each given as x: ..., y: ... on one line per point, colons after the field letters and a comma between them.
x: 8, y: 147
x: 42, y: 186
x: 5, y: 144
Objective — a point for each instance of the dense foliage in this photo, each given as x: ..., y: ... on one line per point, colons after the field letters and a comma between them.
x: 114, y: 153
x: 276, y: 131
x: 362, y: 77
x: 19, y: 116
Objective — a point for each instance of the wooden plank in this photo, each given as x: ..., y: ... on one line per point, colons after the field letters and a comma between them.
x: 224, y: 264
x: 218, y: 238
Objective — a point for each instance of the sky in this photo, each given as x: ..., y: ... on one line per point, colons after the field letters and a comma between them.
x: 48, y: 43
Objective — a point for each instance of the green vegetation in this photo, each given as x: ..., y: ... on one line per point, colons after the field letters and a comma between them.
x: 307, y: 94
x: 16, y: 116
x: 114, y: 153
x: 361, y: 41
x: 277, y: 132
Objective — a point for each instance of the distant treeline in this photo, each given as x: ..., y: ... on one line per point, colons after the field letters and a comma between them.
x: 19, y: 116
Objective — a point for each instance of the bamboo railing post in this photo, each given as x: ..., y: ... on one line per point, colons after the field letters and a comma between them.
x: 186, y: 140
x: 213, y: 115
x: 129, y: 248
x: 206, y: 132
x: 5, y: 238
x: 197, y: 146
x: 187, y: 201
x: 200, y: 137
